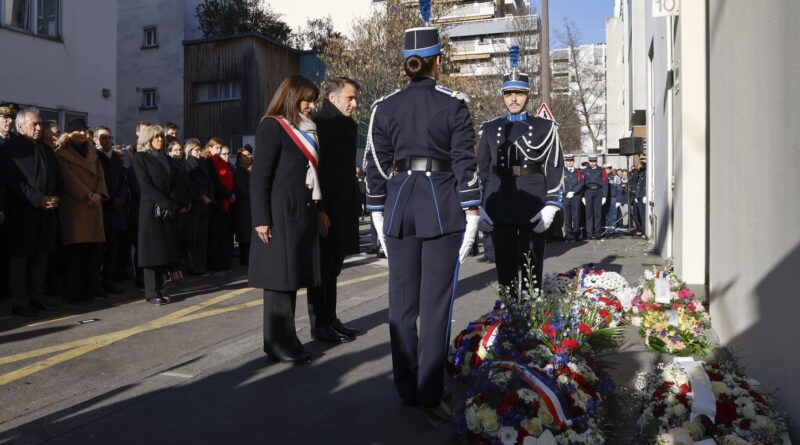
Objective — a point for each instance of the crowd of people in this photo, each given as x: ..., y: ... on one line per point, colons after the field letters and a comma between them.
x: 79, y: 215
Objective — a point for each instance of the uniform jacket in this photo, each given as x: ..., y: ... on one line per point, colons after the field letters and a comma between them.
x: 337, y: 135
x: 241, y: 208
x: 573, y: 180
x: 80, y: 221
x: 29, y: 172
x: 157, y: 237
x: 641, y: 182
x: 426, y: 121
x: 279, y: 198
x: 115, y: 208
x: 595, y: 178
x: 531, y: 142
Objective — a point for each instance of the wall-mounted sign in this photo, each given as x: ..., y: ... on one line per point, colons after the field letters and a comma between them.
x: 663, y: 8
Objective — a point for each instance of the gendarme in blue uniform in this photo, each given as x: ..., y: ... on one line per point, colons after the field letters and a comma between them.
x: 573, y: 182
x: 595, y: 185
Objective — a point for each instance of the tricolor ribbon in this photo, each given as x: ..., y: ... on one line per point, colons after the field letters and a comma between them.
x: 308, y: 146
x: 546, y: 390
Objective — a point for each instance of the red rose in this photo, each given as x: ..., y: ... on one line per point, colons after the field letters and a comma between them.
x: 569, y: 344
x: 606, y: 316
x: 744, y: 424
x: 685, y: 389
x: 548, y: 330
x: 726, y: 412
x: 584, y: 329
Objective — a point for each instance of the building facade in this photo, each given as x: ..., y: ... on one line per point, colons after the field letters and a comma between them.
x: 59, y: 56
x: 722, y: 176
x: 150, y: 66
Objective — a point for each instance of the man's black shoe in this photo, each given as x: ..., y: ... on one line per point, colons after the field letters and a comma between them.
x: 42, y: 305
x: 381, y: 254
x: 330, y: 335
x: 346, y: 330
x: 25, y: 311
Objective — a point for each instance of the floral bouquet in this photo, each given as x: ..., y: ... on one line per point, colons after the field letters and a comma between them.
x: 743, y: 413
x: 589, y: 281
x: 536, y: 402
x: 677, y: 327
x: 473, y: 344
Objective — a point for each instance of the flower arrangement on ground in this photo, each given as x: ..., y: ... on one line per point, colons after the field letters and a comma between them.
x: 743, y: 412
x: 676, y: 327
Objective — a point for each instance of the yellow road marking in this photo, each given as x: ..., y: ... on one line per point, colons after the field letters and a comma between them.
x: 51, y: 320
x: 77, y: 348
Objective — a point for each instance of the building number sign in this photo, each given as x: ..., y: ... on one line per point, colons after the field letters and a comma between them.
x: 662, y: 8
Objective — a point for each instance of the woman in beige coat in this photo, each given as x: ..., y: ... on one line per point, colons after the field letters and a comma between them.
x: 81, y: 212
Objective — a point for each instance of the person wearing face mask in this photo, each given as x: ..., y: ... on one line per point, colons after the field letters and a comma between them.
x: 521, y: 164
x: 284, y: 190
x: 81, y: 212
x: 158, y: 209
x: 340, y: 205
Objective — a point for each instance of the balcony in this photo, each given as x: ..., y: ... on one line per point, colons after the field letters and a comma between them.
x: 528, y: 24
x: 467, y: 12
x: 489, y: 47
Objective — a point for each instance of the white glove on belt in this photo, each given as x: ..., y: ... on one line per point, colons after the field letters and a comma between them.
x: 544, y: 218
x: 570, y: 195
x: 377, y: 221
x: 469, y: 236
x: 603, y: 201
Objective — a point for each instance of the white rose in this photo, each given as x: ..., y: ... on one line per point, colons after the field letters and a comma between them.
x: 532, y: 426
x: 681, y: 437
x: 679, y: 410
x: 671, y: 400
x: 765, y: 424
x: 749, y: 411
x: 731, y: 439
x: 738, y: 391
x: 665, y: 439
x: 695, y: 429
x: 563, y: 379
x: 719, y: 388
x: 488, y: 420
x: 473, y: 420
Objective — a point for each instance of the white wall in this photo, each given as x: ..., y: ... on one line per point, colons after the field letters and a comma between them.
x: 754, y: 160
x: 68, y: 74
x: 616, y: 110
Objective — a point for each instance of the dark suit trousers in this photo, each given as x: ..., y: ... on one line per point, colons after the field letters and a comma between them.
x: 110, y: 255
x: 198, y: 242
x: 279, y: 329
x: 322, y: 299
x: 511, y: 243
x: 572, y: 214
x: 422, y: 283
x: 594, y: 206
x: 153, y: 281
x: 81, y: 270
x: 26, y: 278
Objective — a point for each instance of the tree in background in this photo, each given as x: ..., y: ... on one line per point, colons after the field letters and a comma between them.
x: 228, y: 17
x: 315, y: 35
x: 587, y: 84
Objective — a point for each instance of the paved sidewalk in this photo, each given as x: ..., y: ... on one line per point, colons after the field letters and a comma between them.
x: 231, y: 394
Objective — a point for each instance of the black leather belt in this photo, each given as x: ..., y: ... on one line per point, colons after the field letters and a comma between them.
x: 424, y: 165
x: 519, y: 170
x: 592, y: 187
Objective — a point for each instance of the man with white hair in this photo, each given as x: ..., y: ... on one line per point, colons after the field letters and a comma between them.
x: 29, y: 172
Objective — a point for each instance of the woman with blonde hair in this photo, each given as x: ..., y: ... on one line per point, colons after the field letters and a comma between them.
x: 284, y: 189
x: 202, y: 193
x: 158, y: 209
x: 81, y: 212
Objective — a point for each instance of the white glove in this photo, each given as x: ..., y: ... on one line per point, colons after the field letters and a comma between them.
x: 644, y: 199
x: 603, y: 202
x: 570, y: 195
x: 583, y: 200
x: 469, y: 236
x: 636, y: 200
x: 377, y: 221
x: 544, y: 218
x: 618, y: 205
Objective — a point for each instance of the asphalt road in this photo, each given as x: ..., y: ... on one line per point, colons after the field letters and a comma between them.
x: 194, y: 371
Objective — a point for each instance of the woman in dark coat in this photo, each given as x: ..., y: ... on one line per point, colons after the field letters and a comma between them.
x: 181, y: 193
x: 284, y: 186
x: 158, y: 247
x: 202, y: 193
x: 220, y: 227
x: 243, y: 223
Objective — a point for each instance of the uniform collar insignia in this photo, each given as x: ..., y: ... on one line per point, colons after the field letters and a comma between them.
x: 521, y: 117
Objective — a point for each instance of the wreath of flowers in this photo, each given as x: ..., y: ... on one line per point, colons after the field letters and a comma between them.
x: 677, y: 328
x: 744, y: 413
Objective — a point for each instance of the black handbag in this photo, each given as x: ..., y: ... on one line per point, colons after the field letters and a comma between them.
x: 162, y: 213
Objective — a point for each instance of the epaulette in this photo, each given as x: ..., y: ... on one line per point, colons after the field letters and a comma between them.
x: 452, y: 93
x: 386, y: 97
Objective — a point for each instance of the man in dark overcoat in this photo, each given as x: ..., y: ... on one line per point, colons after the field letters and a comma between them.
x: 115, y: 208
x: 29, y: 171
x: 8, y: 111
x: 340, y: 206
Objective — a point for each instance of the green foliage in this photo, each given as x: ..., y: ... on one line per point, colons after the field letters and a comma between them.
x: 315, y: 35
x: 222, y: 18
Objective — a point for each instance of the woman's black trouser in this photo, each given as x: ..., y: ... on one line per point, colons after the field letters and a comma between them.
x: 81, y: 270
x: 280, y: 336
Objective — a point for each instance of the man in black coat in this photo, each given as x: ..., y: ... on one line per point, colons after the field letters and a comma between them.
x: 30, y: 174
x: 8, y: 111
x: 340, y: 206
x: 115, y: 216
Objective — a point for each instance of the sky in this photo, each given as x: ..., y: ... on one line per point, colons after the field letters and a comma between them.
x: 589, y: 15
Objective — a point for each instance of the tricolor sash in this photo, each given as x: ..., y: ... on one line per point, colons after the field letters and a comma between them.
x: 310, y: 149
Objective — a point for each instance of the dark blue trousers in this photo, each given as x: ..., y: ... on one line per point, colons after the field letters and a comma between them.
x: 511, y: 243
x: 594, y: 209
x: 422, y: 283
x: 572, y: 215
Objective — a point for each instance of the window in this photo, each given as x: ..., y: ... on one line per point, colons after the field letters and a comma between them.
x: 150, y: 37
x: 69, y: 115
x: 217, y: 91
x: 40, y: 17
x: 149, y: 99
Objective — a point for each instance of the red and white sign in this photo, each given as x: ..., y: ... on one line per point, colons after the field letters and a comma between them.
x: 545, y: 112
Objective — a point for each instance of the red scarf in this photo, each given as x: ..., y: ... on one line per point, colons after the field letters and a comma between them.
x: 225, y: 175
